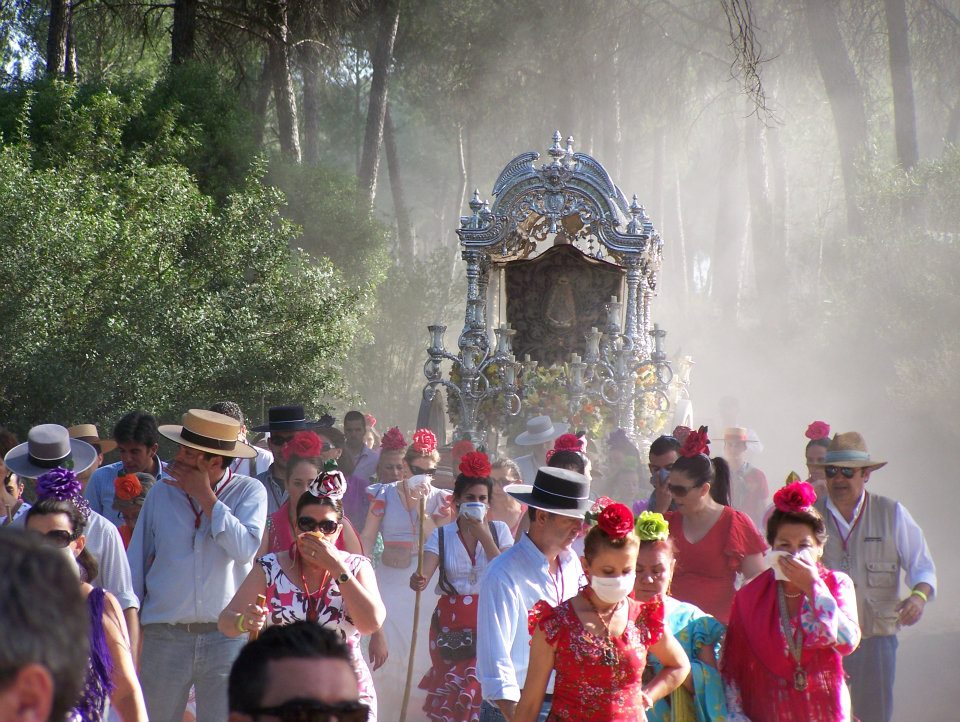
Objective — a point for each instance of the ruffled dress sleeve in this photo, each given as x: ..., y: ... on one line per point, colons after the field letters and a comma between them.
x: 376, y: 493
x: 743, y: 539
x: 830, y: 618
x: 547, y: 619
x: 648, y: 616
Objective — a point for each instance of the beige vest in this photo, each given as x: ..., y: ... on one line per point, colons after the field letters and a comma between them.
x: 872, y: 561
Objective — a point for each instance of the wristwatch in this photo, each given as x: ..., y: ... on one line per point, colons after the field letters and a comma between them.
x: 344, y: 578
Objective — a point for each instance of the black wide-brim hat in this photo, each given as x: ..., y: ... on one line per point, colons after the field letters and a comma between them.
x: 286, y: 418
x: 559, y: 491
x: 49, y: 446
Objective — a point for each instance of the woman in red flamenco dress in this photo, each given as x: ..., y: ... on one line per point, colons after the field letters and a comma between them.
x: 597, y: 641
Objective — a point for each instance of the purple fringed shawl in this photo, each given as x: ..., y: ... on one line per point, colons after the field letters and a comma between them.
x: 100, y: 670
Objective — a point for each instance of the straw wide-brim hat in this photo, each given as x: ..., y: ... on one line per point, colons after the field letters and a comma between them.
x: 89, y: 433
x: 849, y: 450
x: 48, y: 447
x: 540, y: 429
x: 210, y: 432
x: 739, y: 433
x: 555, y: 490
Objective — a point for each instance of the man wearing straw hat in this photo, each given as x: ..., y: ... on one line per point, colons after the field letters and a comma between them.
x: 193, y: 545
x: 541, y: 565
x: 872, y: 538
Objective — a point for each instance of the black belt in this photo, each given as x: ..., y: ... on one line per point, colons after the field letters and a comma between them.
x: 196, y: 627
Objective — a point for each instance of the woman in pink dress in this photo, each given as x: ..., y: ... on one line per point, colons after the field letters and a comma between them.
x: 791, y: 626
x: 314, y: 581
x: 597, y: 641
x: 713, y: 540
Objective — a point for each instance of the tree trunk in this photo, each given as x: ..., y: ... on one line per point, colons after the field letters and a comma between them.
x: 70, y: 70
x: 845, y: 96
x: 404, y: 234
x: 730, y: 229
x: 389, y: 11
x: 183, y: 45
x: 283, y: 94
x: 310, y: 64
x: 261, y: 100
x: 904, y: 108
x: 57, y: 37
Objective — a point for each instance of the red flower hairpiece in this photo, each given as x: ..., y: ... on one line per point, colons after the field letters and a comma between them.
x: 475, y: 465
x: 567, y: 442
x: 796, y: 497
x: 303, y: 445
x: 461, y: 449
x: 371, y: 420
x: 615, y: 520
x: 424, y: 441
x: 681, y: 433
x: 393, y: 440
x: 818, y: 430
x: 697, y: 442
x: 127, y: 487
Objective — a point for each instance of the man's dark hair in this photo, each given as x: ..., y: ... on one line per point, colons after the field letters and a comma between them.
x: 300, y: 640
x: 136, y: 427
x: 228, y: 408
x: 7, y: 441
x: 663, y: 445
x: 45, y: 619
x: 354, y: 416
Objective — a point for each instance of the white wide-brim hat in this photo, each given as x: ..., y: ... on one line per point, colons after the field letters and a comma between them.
x: 540, y: 429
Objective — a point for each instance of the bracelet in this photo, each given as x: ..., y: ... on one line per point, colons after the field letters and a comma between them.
x: 240, y: 624
x: 918, y: 593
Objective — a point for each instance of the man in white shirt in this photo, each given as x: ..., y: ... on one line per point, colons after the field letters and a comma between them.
x: 541, y: 565
x: 538, y: 437
x: 873, y: 538
x: 193, y: 545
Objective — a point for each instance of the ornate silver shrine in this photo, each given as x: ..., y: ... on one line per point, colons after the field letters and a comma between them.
x: 570, y: 199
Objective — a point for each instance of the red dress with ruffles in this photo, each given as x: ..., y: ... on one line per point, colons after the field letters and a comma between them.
x: 706, y: 570
x: 586, y: 689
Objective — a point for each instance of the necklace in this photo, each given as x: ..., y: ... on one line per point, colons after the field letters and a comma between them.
x: 312, y: 598
x: 609, y: 655
x: 794, y: 645
x: 844, y: 540
x: 793, y: 596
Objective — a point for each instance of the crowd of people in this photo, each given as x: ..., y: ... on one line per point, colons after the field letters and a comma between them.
x: 332, y: 574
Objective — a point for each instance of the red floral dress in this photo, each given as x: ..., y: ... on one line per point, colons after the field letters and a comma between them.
x: 586, y: 689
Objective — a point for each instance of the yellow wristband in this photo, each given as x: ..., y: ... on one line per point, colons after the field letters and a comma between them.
x: 918, y: 593
x: 240, y: 623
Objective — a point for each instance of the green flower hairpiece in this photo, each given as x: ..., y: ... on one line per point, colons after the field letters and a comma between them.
x: 651, y: 526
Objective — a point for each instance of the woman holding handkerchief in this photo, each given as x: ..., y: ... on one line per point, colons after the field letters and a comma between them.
x: 782, y: 656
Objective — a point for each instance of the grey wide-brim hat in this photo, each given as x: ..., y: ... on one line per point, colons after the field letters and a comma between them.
x: 540, y: 429
x: 556, y: 490
x: 48, y: 447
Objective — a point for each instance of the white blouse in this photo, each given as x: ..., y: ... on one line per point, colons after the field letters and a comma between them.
x: 462, y: 574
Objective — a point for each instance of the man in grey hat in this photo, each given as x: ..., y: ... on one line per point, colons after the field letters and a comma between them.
x: 873, y: 539
x: 541, y: 565
x: 538, y: 437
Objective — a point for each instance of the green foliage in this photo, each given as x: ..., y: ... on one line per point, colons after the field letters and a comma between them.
x: 127, y: 286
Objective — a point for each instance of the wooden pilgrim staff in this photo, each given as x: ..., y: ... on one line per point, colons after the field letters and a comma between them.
x: 254, y: 633
x: 416, y: 615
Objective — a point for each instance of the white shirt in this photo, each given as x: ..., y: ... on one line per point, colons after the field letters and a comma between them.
x: 528, y: 468
x: 253, y: 467
x: 184, y: 573
x: 512, y: 584
x: 908, y: 536
x: 462, y: 574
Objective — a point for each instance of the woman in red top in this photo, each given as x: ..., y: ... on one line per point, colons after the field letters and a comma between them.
x: 714, y: 541
x: 597, y: 641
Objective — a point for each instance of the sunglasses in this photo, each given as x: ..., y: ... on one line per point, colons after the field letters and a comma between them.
x: 325, y: 526
x: 420, y: 470
x: 60, y: 537
x: 308, y: 710
x: 680, y: 490
x: 280, y: 440
x: 832, y: 471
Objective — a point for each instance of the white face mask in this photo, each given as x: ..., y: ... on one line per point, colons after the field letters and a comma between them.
x: 612, y: 589
x: 417, y: 481
x: 473, y: 510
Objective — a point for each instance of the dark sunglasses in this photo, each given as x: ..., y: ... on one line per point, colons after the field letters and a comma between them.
x: 680, y: 490
x: 308, y: 710
x: 832, y: 471
x: 326, y: 526
x: 420, y: 470
x: 59, y: 537
x: 280, y: 440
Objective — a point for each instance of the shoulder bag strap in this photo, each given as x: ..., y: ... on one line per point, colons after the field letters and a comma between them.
x: 442, y: 581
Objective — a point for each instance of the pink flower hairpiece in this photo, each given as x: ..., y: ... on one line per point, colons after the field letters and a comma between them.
x: 393, y: 440
x: 371, y: 420
x: 697, y: 442
x: 680, y: 433
x: 818, y: 430
x: 568, y: 442
x: 424, y: 441
x: 795, y: 498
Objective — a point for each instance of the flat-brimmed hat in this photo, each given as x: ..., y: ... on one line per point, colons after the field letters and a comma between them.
x: 210, y: 432
x: 89, y: 433
x: 540, y: 429
x: 556, y: 490
x: 849, y: 450
x: 286, y: 418
x: 740, y: 433
x: 49, y: 446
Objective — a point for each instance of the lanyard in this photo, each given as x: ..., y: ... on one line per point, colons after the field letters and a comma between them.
x: 198, y: 513
x: 853, y: 527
